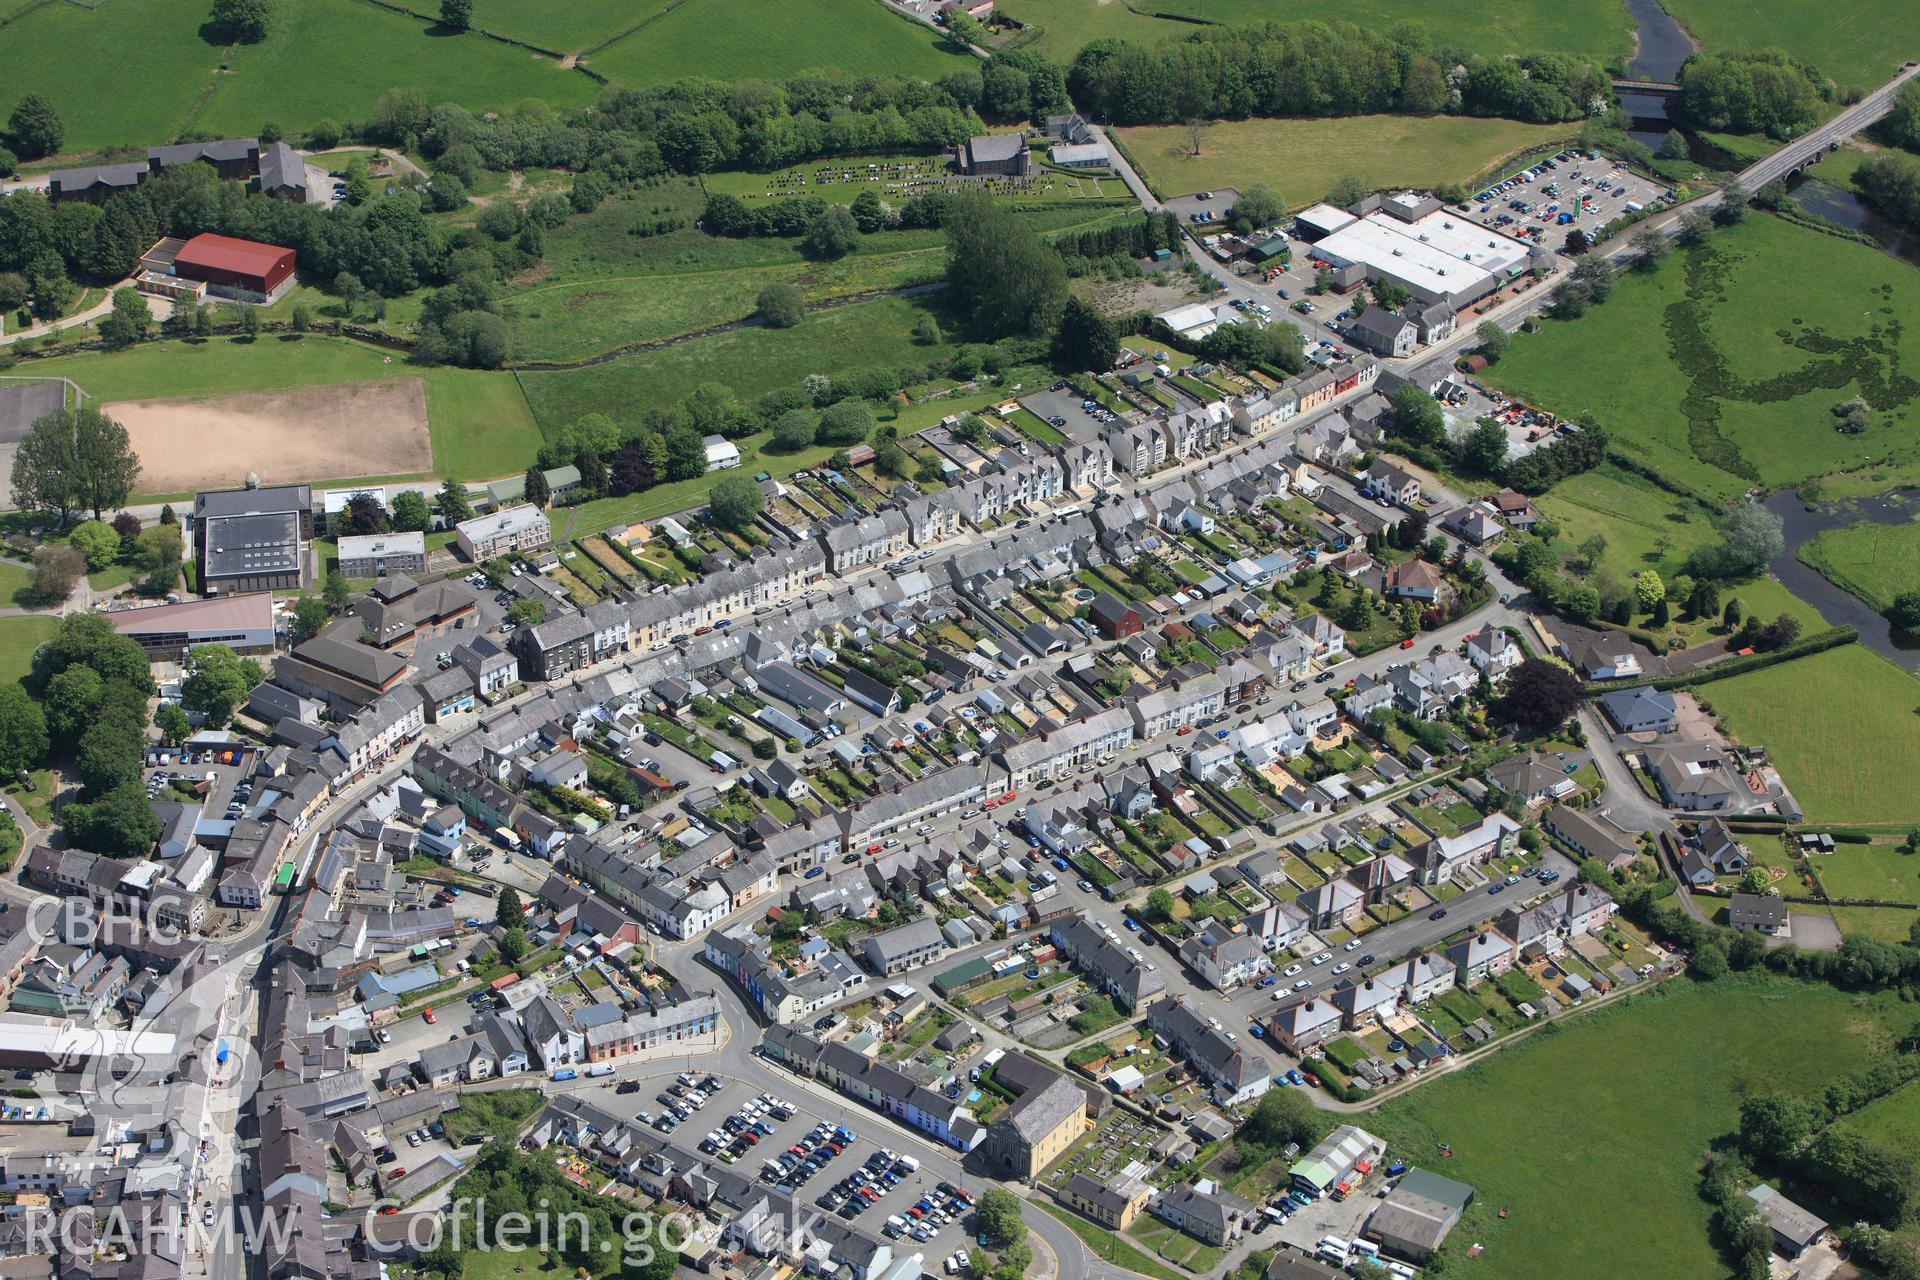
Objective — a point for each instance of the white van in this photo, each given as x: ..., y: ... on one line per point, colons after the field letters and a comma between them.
x: 1364, y: 1249
x: 1332, y: 1248
x: 602, y: 1069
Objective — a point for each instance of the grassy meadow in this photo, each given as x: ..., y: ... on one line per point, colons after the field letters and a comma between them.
x: 1626, y: 1099
x: 1859, y: 43
x: 1873, y: 561
x: 1597, y: 29
x: 774, y: 39
x: 1301, y: 159
x: 1780, y: 324
x: 1842, y: 726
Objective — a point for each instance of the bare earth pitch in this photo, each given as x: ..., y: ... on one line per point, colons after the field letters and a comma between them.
x: 336, y: 432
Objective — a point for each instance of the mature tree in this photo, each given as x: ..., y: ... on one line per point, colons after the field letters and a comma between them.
x: 96, y: 542
x: 1673, y: 146
x: 122, y: 822
x: 1000, y: 272
x: 454, y: 504
x: 889, y: 459
x: 172, y: 723
x: 1734, y: 198
x: 217, y: 682
x: 56, y: 570
x: 309, y: 615
x: 1159, y: 906
x: 833, y: 234
x: 1258, y: 206
x: 998, y: 1212
x: 1286, y: 1115
x: 528, y: 612
x: 1595, y: 275
x: 926, y: 331
x: 35, y: 128
x: 457, y: 14
x: 1086, y: 339
x: 1491, y: 341
x: 1750, y: 538
x: 366, y: 514
x: 72, y: 700
x: 1904, y: 612
x: 74, y: 459
x: 334, y: 590
x: 514, y: 945
x: 108, y: 757
x: 964, y: 30
x: 1696, y: 227
x: 869, y: 214
x: 1485, y: 448
x: 792, y: 431
x: 538, y: 491
x: 848, y: 422
x: 411, y: 514
x: 736, y: 502
x: 1649, y: 246
x: 508, y: 912
x: 1417, y: 416
x: 23, y: 731
x: 127, y: 322
x: 243, y: 21
x: 1648, y: 589
x: 1539, y: 696
x: 781, y: 305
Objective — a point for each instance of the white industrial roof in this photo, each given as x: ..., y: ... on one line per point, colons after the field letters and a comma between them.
x: 1441, y: 253
x: 1325, y: 216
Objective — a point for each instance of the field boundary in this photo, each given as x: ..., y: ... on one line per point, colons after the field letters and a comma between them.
x: 604, y: 41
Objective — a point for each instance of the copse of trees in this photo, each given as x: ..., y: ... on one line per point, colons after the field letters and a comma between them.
x: 1000, y: 272
x: 1768, y: 92
x: 94, y: 684
x: 1323, y: 69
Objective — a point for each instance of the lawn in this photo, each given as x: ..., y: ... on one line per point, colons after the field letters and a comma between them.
x: 1857, y: 42
x: 1841, y: 726
x: 1779, y: 324
x: 19, y: 637
x: 1766, y: 598
x: 479, y: 422
x: 1659, y: 1077
x: 1301, y: 159
x: 1595, y: 28
x: 1873, y: 561
x: 730, y: 40
x: 747, y: 362
x: 1877, y: 870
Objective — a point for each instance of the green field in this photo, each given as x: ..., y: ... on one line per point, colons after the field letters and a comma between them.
x: 1301, y: 159
x: 1767, y: 598
x: 1777, y: 324
x: 1644, y: 525
x: 1893, y: 1121
x: 1860, y: 43
x: 479, y: 422
x: 895, y: 178
x: 1873, y: 561
x: 1598, y: 29
x: 747, y: 362
x: 1614, y: 1114
x: 565, y: 28
x: 774, y: 39
x: 1841, y: 726
x: 19, y: 637
x: 321, y: 59
x: 1877, y: 870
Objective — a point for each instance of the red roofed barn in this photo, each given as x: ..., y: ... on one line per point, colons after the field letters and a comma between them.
x: 243, y: 269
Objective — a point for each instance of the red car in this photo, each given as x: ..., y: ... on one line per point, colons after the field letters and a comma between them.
x: 426, y: 1015
x: 1311, y: 1078
x: 387, y: 1209
x: 1407, y: 643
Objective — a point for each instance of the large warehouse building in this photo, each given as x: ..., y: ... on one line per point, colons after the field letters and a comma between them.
x: 243, y: 623
x: 1419, y: 244
x: 243, y: 270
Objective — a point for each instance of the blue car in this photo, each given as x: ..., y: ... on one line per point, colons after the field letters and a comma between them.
x: 815, y: 871
x: 1294, y: 1076
x: 1256, y: 1032
x: 1132, y: 927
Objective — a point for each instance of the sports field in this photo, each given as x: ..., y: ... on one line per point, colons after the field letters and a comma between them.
x: 1843, y: 727
x: 1860, y: 43
x: 1599, y: 29
x: 1626, y: 1099
x: 478, y: 422
x: 1721, y: 369
x: 1873, y: 561
x: 322, y: 59
x: 775, y: 39
x: 313, y: 433
x: 1301, y: 159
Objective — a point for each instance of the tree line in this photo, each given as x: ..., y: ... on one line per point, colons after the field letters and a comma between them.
x: 1768, y: 92
x: 1329, y: 68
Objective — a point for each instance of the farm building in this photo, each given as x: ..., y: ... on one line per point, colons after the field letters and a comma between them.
x: 239, y: 270
x: 243, y: 623
x: 1417, y: 1215
x: 1794, y: 1229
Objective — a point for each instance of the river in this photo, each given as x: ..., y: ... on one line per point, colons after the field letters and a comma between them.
x: 1841, y: 608
x: 1661, y: 45
x: 1843, y: 208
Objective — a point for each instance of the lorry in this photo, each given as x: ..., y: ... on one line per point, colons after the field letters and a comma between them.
x: 507, y: 839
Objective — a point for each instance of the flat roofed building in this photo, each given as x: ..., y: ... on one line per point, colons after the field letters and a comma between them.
x: 521, y: 528
x: 253, y: 539
x: 244, y: 623
x: 1441, y: 257
x: 379, y: 554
